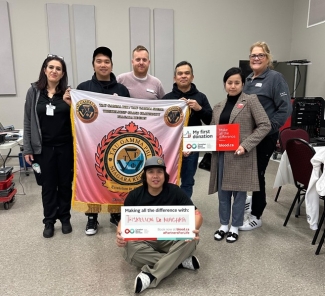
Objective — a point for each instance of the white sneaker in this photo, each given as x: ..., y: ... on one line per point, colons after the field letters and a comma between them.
x: 144, y: 282
x: 91, y: 227
x: 250, y: 223
x: 191, y: 263
x: 248, y: 204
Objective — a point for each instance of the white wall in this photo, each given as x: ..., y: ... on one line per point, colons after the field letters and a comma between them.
x: 211, y: 34
x: 309, y: 43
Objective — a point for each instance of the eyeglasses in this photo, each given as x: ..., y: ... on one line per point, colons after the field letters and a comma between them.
x: 260, y: 56
x: 55, y: 56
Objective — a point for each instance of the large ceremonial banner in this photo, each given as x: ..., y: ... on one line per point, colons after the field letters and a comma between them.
x: 113, y: 137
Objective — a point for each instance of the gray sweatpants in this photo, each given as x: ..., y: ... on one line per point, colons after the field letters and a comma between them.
x: 160, y: 258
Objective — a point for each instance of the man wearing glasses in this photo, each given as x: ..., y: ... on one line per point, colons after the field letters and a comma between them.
x: 103, y: 81
x: 140, y: 84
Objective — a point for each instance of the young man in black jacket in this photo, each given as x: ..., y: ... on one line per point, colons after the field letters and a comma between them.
x: 200, y: 111
x: 158, y: 258
x: 103, y: 81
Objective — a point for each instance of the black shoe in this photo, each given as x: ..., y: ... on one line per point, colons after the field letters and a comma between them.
x: 219, y: 235
x: 91, y: 227
x: 48, y: 230
x: 66, y: 227
x: 115, y: 219
x: 231, y: 237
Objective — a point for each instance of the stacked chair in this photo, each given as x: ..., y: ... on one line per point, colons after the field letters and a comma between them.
x: 285, y: 135
x: 299, y: 154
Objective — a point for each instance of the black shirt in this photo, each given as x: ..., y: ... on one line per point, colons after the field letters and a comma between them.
x: 226, y: 112
x: 171, y: 195
x: 56, y: 130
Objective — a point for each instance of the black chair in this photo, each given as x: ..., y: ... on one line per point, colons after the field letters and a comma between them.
x: 299, y: 153
x: 284, y: 136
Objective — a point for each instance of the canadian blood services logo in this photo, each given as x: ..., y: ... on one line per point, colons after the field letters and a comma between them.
x: 121, y: 155
x: 135, y: 231
x: 191, y: 146
x: 86, y: 111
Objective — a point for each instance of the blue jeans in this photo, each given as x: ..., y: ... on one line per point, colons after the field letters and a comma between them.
x: 189, y: 166
x: 225, y: 209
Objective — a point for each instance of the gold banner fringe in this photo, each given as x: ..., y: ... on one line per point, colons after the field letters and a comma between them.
x: 187, y: 117
x: 95, y: 208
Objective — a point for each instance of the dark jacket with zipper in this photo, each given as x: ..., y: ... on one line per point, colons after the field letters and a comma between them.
x: 196, y: 117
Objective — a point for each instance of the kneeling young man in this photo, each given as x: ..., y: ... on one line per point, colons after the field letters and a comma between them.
x: 158, y: 259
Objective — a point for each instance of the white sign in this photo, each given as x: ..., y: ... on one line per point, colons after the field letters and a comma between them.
x: 158, y: 222
x: 199, y: 138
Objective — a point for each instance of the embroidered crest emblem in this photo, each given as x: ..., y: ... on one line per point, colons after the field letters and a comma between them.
x: 173, y: 116
x: 121, y: 155
x: 86, y: 111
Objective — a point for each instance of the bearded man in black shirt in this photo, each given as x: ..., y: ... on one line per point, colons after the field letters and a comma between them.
x: 158, y: 259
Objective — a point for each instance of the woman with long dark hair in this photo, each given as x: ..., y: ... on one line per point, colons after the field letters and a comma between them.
x: 233, y: 173
x: 48, y: 142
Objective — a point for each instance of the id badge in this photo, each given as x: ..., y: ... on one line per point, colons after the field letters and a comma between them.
x: 50, y: 110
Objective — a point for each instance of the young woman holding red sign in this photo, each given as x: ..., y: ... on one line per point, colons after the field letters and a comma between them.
x: 233, y: 173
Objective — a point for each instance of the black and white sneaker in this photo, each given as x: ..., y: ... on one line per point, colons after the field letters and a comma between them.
x: 142, y: 282
x: 115, y: 218
x: 248, y: 204
x: 91, y: 227
x: 190, y: 263
x: 250, y: 223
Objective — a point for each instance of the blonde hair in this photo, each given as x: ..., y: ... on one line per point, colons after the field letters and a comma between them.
x: 266, y: 50
x: 140, y: 48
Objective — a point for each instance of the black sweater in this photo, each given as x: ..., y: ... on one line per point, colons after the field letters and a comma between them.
x: 226, y: 112
x: 205, y: 114
x: 111, y: 87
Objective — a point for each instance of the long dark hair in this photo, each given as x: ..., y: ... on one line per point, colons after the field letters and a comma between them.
x: 41, y: 83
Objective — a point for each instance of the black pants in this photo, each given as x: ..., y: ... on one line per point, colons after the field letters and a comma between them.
x: 95, y: 215
x: 264, y: 151
x: 56, y: 165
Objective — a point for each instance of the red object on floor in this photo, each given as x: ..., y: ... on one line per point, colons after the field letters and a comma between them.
x: 6, y: 184
x: 8, y: 199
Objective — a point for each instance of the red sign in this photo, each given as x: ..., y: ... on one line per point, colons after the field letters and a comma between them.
x: 227, y: 137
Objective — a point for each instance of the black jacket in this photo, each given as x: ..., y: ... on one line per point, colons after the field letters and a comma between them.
x: 205, y: 114
x: 111, y: 88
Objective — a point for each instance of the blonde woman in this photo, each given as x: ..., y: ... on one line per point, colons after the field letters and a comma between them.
x: 273, y: 93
